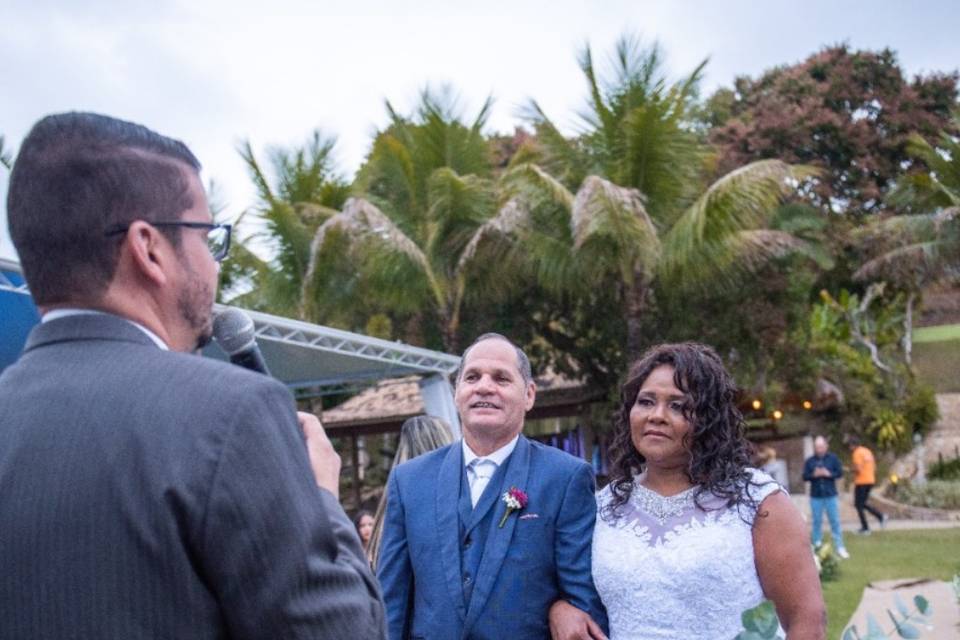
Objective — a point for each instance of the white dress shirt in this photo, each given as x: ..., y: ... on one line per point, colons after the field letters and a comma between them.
x: 65, y: 312
x: 481, y: 469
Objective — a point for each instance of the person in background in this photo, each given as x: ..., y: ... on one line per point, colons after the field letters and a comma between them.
x: 364, y: 524
x: 418, y: 435
x: 768, y: 462
x: 822, y: 470
x: 864, y: 477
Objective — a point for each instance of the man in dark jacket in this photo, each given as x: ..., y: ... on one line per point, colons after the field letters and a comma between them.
x: 146, y: 492
x: 821, y: 470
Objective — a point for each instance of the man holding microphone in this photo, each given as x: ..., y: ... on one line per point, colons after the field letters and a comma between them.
x: 146, y: 492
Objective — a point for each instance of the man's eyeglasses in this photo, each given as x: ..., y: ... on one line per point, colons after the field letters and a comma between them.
x: 218, y: 235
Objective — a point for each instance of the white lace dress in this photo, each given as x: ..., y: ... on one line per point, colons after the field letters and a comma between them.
x: 667, y: 569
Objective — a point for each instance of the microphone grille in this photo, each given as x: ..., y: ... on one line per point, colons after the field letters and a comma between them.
x: 233, y: 330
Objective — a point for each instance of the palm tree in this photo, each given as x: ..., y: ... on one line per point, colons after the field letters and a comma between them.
x: 427, y: 211
x: 921, y: 246
x: 6, y: 157
x: 626, y: 202
x: 306, y: 191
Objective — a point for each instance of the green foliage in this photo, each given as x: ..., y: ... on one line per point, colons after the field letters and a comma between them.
x: 625, y: 206
x: 933, y: 184
x: 945, y: 470
x: 904, y: 621
x: 851, y: 113
x: 933, y: 494
x: 888, y: 429
x: 828, y: 563
x: 427, y: 229
x: 857, y: 343
x: 919, y: 407
x: 302, y: 190
x: 379, y: 326
x: 760, y: 623
x: 905, y: 554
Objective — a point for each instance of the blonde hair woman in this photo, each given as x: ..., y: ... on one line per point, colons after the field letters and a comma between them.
x: 418, y: 435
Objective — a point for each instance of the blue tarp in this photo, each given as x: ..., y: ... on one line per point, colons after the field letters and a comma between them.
x: 17, y: 316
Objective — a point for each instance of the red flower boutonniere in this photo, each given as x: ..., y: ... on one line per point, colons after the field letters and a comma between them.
x: 515, y: 499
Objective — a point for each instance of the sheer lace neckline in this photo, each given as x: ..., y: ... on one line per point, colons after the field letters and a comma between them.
x: 660, y: 507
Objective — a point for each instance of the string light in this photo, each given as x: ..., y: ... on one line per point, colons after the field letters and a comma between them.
x: 777, y: 414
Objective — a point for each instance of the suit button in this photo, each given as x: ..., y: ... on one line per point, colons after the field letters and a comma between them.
x: 466, y: 578
x: 467, y: 542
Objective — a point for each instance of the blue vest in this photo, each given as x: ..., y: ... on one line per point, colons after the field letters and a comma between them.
x: 475, y: 524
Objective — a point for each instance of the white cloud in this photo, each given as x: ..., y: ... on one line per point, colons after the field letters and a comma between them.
x: 212, y: 73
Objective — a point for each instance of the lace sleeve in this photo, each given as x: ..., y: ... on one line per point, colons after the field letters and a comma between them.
x: 760, y: 486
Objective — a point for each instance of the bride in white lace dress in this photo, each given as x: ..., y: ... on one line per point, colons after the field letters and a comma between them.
x: 682, y: 548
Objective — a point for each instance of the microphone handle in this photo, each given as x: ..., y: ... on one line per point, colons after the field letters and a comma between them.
x: 250, y: 359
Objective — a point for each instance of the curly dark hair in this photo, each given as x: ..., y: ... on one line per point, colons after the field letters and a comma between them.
x: 719, y: 452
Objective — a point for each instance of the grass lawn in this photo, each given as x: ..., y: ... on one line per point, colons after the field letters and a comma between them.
x: 888, y: 555
x: 937, y: 333
x: 936, y: 362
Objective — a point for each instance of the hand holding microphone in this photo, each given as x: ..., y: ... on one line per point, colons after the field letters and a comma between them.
x: 324, y: 459
x: 234, y: 331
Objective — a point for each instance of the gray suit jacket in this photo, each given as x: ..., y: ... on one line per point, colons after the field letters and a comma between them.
x: 152, y: 494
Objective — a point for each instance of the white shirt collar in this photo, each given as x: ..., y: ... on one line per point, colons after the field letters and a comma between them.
x: 497, y: 457
x: 56, y: 314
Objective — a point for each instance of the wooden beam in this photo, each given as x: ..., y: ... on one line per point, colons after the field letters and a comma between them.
x: 357, y: 494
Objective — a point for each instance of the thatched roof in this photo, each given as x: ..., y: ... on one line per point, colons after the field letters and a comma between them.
x: 385, y: 405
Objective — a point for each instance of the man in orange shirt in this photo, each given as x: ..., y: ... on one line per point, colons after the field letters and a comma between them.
x: 864, y: 477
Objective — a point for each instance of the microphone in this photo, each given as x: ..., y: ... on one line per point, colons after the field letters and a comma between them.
x: 234, y: 331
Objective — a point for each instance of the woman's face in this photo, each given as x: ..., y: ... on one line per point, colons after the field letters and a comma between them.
x: 657, y: 424
x: 365, y: 528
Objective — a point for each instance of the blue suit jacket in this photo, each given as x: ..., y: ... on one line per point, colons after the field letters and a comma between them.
x: 541, y: 554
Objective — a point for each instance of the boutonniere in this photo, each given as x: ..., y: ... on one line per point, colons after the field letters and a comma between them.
x: 515, y: 499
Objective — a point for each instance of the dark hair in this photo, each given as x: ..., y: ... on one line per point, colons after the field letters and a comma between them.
x: 77, y: 175
x: 523, y: 362
x: 357, y: 518
x: 719, y: 452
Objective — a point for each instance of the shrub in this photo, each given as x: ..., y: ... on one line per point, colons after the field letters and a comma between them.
x: 920, y: 407
x: 945, y: 470
x: 935, y: 494
x: 889, y: 430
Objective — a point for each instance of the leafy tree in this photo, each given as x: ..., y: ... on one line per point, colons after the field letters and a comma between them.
x: 850, y: 113
x: 429, y: 215
x: 856, y: 341
x: 306, y: 190
x: 643, y: 217
x: 921, y: 246
x: 761, y: 328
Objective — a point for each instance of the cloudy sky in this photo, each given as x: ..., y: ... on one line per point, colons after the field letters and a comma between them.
x: 214, y: 72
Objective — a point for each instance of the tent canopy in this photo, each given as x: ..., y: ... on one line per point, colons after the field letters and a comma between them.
x: 311, y: 359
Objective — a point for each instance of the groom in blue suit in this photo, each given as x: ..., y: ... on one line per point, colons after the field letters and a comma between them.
x: 457, y: 562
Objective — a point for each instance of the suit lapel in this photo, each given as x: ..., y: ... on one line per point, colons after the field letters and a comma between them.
x: 498, y: 540
x: 448, y: 525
